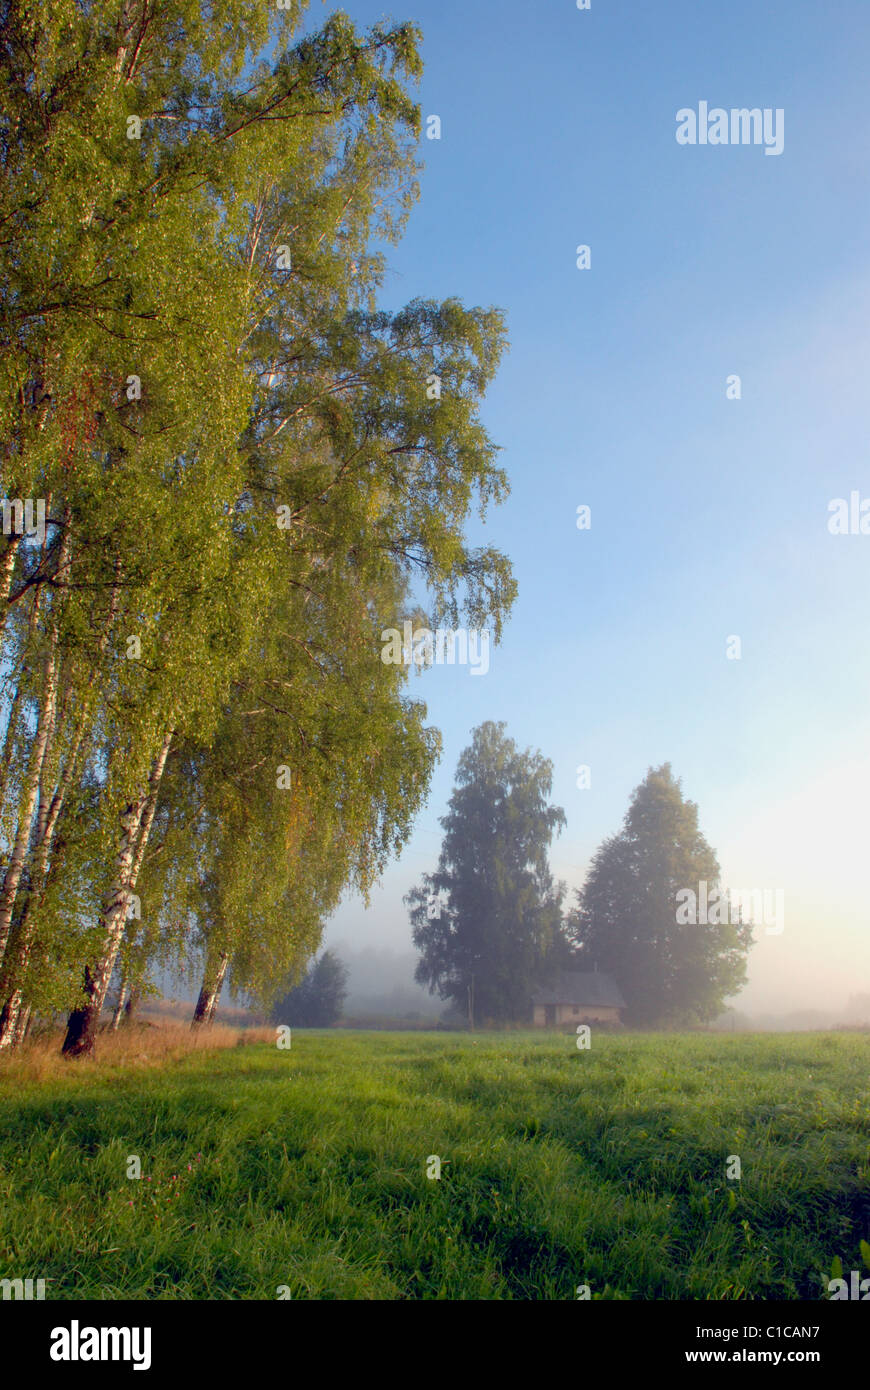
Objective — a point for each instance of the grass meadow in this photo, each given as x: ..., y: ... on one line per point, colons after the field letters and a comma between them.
x: 302, y: 1172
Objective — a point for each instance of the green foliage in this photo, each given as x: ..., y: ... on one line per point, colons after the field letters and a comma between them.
x: 625, y: 921
x: 191, y: 352
x: 498, y: 912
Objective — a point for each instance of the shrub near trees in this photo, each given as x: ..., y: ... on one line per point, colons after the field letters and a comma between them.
x: 318, y: 1000
x: 243, y: 474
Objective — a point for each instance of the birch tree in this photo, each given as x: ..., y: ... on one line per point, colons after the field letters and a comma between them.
x: 190, y: 353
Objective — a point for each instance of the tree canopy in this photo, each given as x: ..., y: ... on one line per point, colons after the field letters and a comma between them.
x: 626, y: 921
x: 489, y: 920
x: 243, y: 477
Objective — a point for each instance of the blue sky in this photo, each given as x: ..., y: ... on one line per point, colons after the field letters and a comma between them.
x: 709, y: 516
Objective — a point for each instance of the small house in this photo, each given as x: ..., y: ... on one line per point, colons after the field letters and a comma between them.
x: 575, y: 996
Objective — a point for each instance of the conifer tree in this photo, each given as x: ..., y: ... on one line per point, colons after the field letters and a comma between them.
x: 626, y: 920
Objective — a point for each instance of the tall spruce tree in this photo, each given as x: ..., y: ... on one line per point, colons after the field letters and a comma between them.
x: 626, y: 919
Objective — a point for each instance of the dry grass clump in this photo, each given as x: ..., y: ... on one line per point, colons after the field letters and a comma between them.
x: 133, y: 1046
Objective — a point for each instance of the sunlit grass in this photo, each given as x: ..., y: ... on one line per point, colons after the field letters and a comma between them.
x: 307, y: 1168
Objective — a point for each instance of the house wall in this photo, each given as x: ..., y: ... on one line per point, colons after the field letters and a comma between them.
x: 576, y: 1013
x: 587, y: 1013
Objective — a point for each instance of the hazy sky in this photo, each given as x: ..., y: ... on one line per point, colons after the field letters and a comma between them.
x: 709, y: 516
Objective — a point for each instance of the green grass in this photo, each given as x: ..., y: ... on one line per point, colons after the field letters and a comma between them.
x: 559, y: 1168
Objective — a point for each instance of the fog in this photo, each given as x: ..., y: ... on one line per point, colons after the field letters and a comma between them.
x: 381, y: 981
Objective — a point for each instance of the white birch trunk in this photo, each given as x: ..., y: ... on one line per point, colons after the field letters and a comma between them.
x: 10, y: 1019
x: 23, y: 1025
x: 136, y: 822
x: 206, y: 1004
x: 17, y: 858
x: 119, y: 1007
x: 7, y: 569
